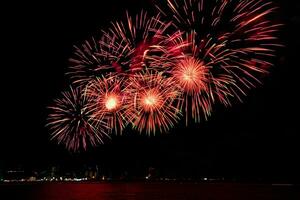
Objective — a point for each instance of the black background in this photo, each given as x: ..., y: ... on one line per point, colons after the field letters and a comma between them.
x: 258, y: 138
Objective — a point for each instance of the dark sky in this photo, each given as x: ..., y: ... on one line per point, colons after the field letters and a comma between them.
x: 258, y: 137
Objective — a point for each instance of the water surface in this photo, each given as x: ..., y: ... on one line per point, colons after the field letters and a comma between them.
x: 148, y: 191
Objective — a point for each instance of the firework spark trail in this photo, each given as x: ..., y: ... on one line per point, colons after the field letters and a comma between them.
x: 236, y: 38
x: 139, y: 35
x: 153, y: 98
x: 69, y: 122
x: 108, y: 102
x: 123, y: 48
x: 87, y: 62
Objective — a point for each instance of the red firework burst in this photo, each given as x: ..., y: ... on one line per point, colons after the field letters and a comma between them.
x: 191, y: 74
x: 108, y: 102
x: 194, y: 80
x: 123, y: 48
x: 236, y: 38
x: 153, y: 96
x: 69, y: 122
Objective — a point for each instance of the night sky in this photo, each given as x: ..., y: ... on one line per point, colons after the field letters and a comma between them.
x: 256, y: 138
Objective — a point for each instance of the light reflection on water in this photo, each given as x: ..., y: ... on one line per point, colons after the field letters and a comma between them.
x: 147, y: 191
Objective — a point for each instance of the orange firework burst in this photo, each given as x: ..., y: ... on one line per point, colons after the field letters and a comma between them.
x: 191, y: 75
x: 193, y: 72
x: 194, y: 80
x: 153, y: 97
x: 108, y: 102
x: 69, y: 122
x: 237, y: 39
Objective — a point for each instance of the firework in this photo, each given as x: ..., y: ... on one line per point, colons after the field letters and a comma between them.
x: 149, y: 70
x: 122, y: 48
x: 88, y: 63
x: 193, y: 78
x: 236, y: 38
x: 69, y: 122
x: 108, y: 102
x: 153, y: 97
x: 139, y: 36
x: 181, y: 59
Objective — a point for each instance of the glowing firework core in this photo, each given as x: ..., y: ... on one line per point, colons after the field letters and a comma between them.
x: 151, y: 100
x: 111, y: 102
x: 191, y: 74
